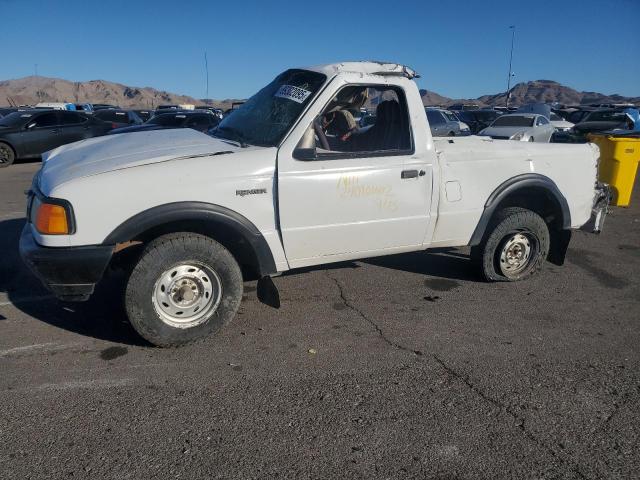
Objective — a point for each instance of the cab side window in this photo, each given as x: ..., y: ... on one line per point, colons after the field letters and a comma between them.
x: 49, y: 119
x: 71, y: 118
x: 542, y: 121
x: 339, y: 131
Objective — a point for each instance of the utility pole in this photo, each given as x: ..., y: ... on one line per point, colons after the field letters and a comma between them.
x: 206, y: 68
x: 513, y: 34
x: 38, y: 91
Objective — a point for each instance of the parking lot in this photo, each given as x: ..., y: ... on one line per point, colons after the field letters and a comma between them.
x: 395, y: 367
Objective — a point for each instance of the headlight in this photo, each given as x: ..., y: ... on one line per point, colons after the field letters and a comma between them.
x: 52, y: 216
x: 518, y: 136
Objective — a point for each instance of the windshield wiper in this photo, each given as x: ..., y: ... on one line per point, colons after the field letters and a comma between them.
x: 236, y: 134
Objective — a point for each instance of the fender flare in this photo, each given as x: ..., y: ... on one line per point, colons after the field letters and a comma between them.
x: 511, y: 186
x: 208, y: 213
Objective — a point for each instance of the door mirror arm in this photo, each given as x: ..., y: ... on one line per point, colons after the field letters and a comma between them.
x: 305, y: 154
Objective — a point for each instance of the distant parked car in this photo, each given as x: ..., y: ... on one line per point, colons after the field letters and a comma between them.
x: 463, y: 106
x: 520, y: 126
x: 29, y: 133
x: 601, y: 121
x: 118, y: 118
x: 102, y: 106
x: 609, y: 119
x: 216, y: 111
x: 444, y: 124
x: 453, y: 117
x: 595, y: 121
x: 144, y: 114
x: 559, y: 123
x: 84, y: 107
x: 197, y: 120
x: 478, y: 119
x: 578, y: 116
x: 167, y: 108
x: 367, y: 120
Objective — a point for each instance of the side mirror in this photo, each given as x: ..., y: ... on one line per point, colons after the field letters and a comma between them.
x: 30, y: 125
x: 306, y: 148
x: 305, y: 154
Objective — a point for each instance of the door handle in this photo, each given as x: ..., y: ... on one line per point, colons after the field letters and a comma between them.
x: 409, y: 174
x: 55, y: 130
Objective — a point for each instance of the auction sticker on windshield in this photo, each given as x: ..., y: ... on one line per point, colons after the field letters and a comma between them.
x: 290, y: 92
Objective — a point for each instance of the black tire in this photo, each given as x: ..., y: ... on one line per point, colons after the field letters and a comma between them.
x: 531, y: 139
x: 7, y: 155
x: 452, y: 134
x: 501, y: 256
x: 174, y: 251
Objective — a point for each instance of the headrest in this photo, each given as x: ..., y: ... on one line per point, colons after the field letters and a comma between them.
x: 388, y: 111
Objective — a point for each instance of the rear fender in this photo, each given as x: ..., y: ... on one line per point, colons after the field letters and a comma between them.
x: 518, y: 184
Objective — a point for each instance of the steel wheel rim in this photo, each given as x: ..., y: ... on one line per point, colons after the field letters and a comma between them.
x: 186, y: 294
x: 517, y: 252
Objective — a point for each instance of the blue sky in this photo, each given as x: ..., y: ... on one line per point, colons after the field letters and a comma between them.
x: 460, y: 47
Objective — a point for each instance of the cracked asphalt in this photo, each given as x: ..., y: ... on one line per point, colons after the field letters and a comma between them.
x: 399, y: 367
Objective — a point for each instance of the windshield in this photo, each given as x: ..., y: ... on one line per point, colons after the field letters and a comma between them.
x: 167, y: 120
x: 513, y: 121
x: 15, y: 119
x: 609, y: 116
x: 267, y: 116
x: 451, y: 116
x: 555, y: 117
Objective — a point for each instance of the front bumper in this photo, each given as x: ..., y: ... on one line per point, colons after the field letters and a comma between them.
x: 599, y: 210
x: 71, y: 273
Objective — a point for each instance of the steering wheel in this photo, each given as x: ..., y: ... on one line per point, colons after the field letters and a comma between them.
x: 317, y: 128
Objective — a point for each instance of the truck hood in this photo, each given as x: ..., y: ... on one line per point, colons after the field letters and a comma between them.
x: 116, y: 152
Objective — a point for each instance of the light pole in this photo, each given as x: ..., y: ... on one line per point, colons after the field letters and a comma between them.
x: 206, y: 68
x: 513, y: 34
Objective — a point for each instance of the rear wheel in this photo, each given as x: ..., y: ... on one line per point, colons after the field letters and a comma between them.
x: 7, y: 155
x: 184, y: 287
x: 515, y: 246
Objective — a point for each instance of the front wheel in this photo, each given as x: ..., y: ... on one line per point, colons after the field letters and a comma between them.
x: 514, y: 247
x: 184, y: 287
x: 6, y: 155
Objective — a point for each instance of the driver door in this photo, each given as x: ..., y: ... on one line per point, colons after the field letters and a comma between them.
x: 337, y: 206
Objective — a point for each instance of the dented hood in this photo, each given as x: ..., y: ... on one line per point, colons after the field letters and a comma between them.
x: 115, y: 152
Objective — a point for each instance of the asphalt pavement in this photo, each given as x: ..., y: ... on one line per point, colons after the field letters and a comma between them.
x: 406, y: 366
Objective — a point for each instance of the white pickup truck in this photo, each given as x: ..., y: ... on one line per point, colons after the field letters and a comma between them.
x: 288, y: 180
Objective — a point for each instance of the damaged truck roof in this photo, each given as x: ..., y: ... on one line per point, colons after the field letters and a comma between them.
x: 366, y: 67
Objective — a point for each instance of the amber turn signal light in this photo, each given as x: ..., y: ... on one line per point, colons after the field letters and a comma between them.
x: 52, y: 219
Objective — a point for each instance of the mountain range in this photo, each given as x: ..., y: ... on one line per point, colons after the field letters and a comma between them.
x: 537, y: 91
x: 31, y: 90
